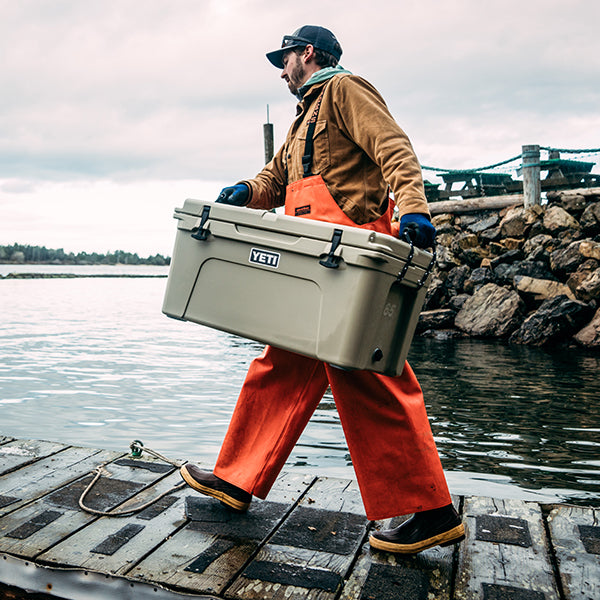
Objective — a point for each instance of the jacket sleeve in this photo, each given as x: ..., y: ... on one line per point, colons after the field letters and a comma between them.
x: 267, y: 189
x: 370, y: 125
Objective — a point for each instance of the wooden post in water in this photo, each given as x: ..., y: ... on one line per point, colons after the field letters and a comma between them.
x: 268, y: 135
x: 531, y: 175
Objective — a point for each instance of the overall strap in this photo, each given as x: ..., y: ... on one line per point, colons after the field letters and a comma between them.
x: 307, y: 158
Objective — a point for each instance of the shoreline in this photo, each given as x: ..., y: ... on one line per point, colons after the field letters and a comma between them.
x: 79, y: 275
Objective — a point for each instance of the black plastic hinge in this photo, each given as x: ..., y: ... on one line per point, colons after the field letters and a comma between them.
x: 332, y: 261
x: 201, y: 232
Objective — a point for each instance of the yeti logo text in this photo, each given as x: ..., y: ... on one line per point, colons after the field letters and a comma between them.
x: 264, y: 258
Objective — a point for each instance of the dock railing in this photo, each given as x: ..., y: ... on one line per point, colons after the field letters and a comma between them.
x: 497, y: 179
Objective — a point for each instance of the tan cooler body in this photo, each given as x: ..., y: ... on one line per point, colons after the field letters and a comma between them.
x: 344, y: 295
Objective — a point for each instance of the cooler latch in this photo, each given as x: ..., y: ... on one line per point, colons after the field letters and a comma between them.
x: 200, y: 232
x: 333, y: 261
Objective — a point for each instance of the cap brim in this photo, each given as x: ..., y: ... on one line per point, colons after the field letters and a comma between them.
x: 276, y: 57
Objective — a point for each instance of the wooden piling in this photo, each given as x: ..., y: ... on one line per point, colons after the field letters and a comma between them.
x: 531, y: 175
x: 268, y: 136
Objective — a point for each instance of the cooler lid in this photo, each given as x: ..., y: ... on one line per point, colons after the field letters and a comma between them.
x: 298, y: 226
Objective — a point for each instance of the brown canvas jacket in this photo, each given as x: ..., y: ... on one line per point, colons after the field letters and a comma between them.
x: 358, y: 150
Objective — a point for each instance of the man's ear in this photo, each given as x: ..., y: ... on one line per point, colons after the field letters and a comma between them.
x: 309, y: 52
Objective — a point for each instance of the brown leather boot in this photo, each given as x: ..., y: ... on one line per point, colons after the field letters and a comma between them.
x: 210, y: 485
x: 438, y: 527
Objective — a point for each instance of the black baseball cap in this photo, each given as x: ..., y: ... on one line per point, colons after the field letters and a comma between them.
x: 319, y: 37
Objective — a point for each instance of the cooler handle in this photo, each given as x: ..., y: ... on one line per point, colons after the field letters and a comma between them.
x: 423, y: 279
x: 409, y: 259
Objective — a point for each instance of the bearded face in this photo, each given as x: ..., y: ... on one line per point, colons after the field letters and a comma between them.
x: 293, y: 72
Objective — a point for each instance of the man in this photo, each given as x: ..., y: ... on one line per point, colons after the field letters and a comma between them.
x: 343, y: 154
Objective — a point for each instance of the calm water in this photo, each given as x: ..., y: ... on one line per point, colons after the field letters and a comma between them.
x: 94, y: 362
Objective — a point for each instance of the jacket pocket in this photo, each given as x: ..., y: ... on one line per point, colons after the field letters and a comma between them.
x: 321, y: 153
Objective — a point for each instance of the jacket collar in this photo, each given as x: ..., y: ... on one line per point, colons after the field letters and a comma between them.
x: 324, y: 74
x: 313, y: 91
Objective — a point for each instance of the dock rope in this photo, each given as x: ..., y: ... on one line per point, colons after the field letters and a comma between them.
x: 518, y: 157
x: 137, y: 448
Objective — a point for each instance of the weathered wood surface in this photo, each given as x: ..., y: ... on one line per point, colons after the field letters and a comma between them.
x: 15, y: 454
x: 384, y: 576
x: 505, y: 553
x: 576, y: 539
x: 475, y: 204
x: 309, y: 540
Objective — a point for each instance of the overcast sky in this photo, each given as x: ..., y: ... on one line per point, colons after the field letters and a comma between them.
x: 113, y: 112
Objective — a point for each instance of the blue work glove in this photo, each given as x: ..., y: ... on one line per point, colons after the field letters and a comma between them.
x: 418, y: 228
x: 236, y: 195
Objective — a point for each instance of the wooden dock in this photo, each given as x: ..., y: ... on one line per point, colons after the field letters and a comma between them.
x: 307, y: 541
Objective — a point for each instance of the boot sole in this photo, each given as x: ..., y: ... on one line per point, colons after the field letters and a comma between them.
x: 223, y: 497
x: 452, y: 536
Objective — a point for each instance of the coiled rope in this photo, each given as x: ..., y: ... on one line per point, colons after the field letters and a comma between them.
x: 136, y: 450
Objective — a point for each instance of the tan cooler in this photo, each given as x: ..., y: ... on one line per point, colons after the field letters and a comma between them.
x: 347, y: 296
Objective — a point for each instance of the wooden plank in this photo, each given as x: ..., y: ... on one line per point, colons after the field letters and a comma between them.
x: 475, y: 204
x: 206, y: 554
x: 312, y: 551
x: 17, y: 453
x: 506, y: 553
x: 575, y: 535
x: 34, y: 528
x: 114, y: 545
x: 385, y: 576
x: 42, y: 477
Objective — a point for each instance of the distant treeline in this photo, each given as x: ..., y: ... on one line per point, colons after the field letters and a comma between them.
x: 20, y: 254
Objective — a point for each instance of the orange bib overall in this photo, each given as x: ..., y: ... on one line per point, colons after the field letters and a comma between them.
x: 389, y: 438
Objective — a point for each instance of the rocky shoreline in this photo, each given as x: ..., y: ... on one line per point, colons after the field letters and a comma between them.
x: 528, y: 276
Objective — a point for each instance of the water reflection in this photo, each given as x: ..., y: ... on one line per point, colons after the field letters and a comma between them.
x: 527, y: 414
x: 94, y: 362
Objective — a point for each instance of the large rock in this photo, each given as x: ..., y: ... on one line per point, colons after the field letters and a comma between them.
x: 590, y: 249
x: 567, y: 259
x: 446, y: 259
x: 507, y: 258
x: 573, y: 202
x: 457, y: 302
x: 513, y: 243
x: 558, y: 219
x: 455, y: 281
x: 543, y: 240
x: 484, y: 224
x: 490, y: 235
x: 473, y: 256
x: 442, y: 318
x: 584, y: 270
x: 444, y: 239
x: 506, y: 273
x: 464, y: 241
x: 590, y: 219
x: 555, y: 320
x: 589, y: 336
x: 436, y: 293
x: 538, y: 290
x: 492, y: 311
x: 517, y: 221
x: 589, y: 288
x: 444, y: 223
x: 477, y: 279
